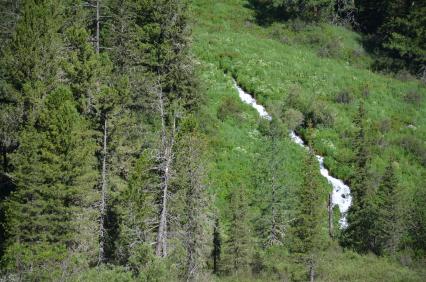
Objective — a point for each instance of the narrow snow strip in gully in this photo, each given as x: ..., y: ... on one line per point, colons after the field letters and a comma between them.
x: 341, y: 192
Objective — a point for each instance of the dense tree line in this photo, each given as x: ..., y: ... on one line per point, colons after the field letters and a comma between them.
x: 101, y: 157
x: 393, y: 30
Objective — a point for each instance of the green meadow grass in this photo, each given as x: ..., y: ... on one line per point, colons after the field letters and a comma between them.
x: 314, y: 64
x: 226, y: 35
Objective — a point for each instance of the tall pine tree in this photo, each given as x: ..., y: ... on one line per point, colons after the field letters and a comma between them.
x: 54, y: 180
x: 388, y: 222
x: 310, y: 214
x: 361, y: 215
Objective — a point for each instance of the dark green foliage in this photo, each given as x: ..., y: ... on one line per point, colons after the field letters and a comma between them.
x: 398, y: 32
x: 31, y: 55
x: 51, y: 173
x: 309, y: 11
x: 388, y: 227
x: 92, y: 131
x: 362, y: 213
x: 306, y: 228
x: 417, y: 221
x: 238, y: 246
x: 137, y: 207
x: 8, y: 18
x: 217, y: 247
x: 272, y: 221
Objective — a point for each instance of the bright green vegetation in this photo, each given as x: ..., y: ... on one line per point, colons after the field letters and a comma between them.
x: 127, y: 155
x: 323, y: 72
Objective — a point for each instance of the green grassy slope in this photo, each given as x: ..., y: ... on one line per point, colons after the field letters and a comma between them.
x: 315, y: 64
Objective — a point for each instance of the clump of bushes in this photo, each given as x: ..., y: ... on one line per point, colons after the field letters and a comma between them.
x: 414, y: 146
x: 413, y: 97
x: 331, y: 49
x: 344, y: 97
x: 230, y: 107
x: 320, y: 113
x: 293, y: 118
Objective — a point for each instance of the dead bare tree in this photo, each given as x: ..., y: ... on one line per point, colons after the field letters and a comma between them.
x: 166, y: 160
x: 345, y: 13
x: 104, y: 187
x: 98, y: 20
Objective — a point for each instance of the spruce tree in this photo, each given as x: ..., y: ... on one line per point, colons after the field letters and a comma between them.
x: 361, y: 215
x: 9, y: 14
x: 53, y: 176
x: 388, y: 222
x: 217, y: 247
x: 238, y: 245
x: 28, y: 67
x: 306, y: 228
x: 138, y: 211
x: 271, y: 223
x: 190, y: 168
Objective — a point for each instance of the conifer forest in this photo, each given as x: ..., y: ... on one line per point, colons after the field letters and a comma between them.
x: 212, y: 140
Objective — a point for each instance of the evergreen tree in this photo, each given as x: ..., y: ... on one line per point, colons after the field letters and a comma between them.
x: 83, y: 67
x: 361, y: 215
x: 371, y: 14
x: 306, y: 228
x: 53, y: 172
x: 217, y: 247
x: 271, y: 223
x: 309, y: 11
x: 388, y: 221
x: 108, y: 105
x: 138, y: 211
x: 397, y: 32
x: 417, y: 220
x: 238, y: 245
x: 9, y: 14
x: 28, y: 68
x: 191, y: 180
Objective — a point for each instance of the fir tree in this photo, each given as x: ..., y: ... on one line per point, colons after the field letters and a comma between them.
x: 52, y: 173
x: 388, y: 221
x: 306, y: 228
x: 191, y: 180
x: 271, y: 224
x: 238, y: 246
x: 217, y: 247
x: 361, y: 215
x: 138, y: 211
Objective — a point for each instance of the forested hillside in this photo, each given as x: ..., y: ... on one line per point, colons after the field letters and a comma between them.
x: 127, y: 154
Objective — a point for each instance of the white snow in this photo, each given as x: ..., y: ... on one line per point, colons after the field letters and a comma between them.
x: 341, y: 192
x: 248, y: 99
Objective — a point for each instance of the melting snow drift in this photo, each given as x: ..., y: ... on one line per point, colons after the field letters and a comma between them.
x: 248, y: 99
x: 341, y: 192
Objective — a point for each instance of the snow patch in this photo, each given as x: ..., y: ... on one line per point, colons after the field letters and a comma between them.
x: 248, y: 99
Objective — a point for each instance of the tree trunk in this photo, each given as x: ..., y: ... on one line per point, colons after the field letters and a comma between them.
x: 330, y: 215
x: 167, y: 158
x: 311, y: 271
x: 273, y: 235
x: 5, y: 162
x: 104, y: 186
x: 98, y: 18
x: 216, y: 247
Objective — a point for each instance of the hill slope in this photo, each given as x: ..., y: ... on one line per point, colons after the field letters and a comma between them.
x: 321, y: 71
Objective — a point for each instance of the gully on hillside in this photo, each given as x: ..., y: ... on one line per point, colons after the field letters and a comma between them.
x: 341, y: 192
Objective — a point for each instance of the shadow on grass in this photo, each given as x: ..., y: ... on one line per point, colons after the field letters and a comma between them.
x: 266, y: 14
